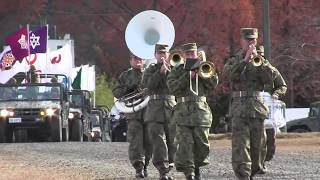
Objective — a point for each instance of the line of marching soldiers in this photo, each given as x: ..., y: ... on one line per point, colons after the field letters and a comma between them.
x: 173, y: 129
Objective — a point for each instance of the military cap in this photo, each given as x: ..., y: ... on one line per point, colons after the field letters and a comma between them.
x: 134, y: 56
x: 162, y: 47
x: 189, y: 47
x: 249, y: 33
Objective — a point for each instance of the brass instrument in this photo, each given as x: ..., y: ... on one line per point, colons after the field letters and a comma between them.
x: 257, y: 60
x: 176, y: 59
x: 142, y: 33
x: 205, y: 69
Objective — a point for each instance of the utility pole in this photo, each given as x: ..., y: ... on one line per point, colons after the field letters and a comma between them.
x: 266, y: 29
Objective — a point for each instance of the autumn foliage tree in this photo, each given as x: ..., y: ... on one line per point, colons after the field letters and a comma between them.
x: 98, y: 28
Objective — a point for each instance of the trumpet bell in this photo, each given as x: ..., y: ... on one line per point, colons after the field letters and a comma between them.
x: 176, y: 59
x: 257, y: 60
x: 147, y: 29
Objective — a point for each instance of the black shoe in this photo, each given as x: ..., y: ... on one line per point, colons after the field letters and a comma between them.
x: 190, y: 177
x: 166, y: 177
x: 197, y: 173
x: 140, y: 173
x: 145, y: 171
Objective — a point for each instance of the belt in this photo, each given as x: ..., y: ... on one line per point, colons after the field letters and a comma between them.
x: 237, y: 94
x: 191, y: 99
x: 163, y: 97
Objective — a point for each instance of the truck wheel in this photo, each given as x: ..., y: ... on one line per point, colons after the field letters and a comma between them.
x: 65, y: 134
x: 56, y: 129
x: 77, y: 130
x: 6, y: 133
x: 21, y: 135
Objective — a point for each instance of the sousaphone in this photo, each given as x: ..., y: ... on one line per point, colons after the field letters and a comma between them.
x: 142, y: 33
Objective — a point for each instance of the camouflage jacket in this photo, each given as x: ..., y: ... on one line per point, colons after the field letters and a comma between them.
x: 128, y: 82
x: 159, y: 110
x: 245, y: 77
x: 190, y: 113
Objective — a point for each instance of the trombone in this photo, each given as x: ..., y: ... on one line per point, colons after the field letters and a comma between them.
x: 205, y: 69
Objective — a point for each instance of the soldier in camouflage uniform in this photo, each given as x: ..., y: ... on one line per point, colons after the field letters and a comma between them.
x: 140, y: 149
x: 192, y: 115
x: 248, y: 110
x: 158, y: 114
x: 277, y: 87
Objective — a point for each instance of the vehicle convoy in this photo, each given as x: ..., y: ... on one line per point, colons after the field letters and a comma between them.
x: 100, y: 125
x: 37, y: 111
x: 308, y: 124
x: 79, y: 115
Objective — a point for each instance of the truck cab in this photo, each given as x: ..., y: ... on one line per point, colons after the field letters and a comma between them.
x: 37, y: 111
x: 100, y: 125
x: 79, y: 120
x: 308, y: 124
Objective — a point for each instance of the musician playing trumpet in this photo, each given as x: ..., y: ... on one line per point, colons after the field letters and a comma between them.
x: 248, y: 110
x: 192, y: 114
x: 158, y: 116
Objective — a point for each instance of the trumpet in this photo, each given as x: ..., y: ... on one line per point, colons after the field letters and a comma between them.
x: 176, y: 59
x: 256, y: 60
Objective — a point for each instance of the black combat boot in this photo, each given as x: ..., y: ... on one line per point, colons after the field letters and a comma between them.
x: 140, y: 173
x: 145, y: 170
x: 190, y: 177
x: 166, y: 176
x: 197, y: 173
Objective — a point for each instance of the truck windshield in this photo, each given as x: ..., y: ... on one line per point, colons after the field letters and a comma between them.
x: 314, y: 111
x: 27, y: 92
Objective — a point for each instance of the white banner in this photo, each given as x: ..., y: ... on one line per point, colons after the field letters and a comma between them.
x: 56, y: 62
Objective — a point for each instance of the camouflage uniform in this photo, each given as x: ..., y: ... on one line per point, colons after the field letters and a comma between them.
x: 193, y: 118
x: 247, y: 112
x: 158, y: 117
x: 277, y: 87
x: 140, y: 149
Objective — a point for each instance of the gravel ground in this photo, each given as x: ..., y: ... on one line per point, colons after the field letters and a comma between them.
x: 72, y: 160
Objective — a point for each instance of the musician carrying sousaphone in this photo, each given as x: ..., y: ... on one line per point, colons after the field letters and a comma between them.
x: 192, y: 114
x: 140, y: 149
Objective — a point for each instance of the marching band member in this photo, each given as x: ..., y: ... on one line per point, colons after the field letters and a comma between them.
x: 158, y: 116
x: 140, y: 149
x: 192, y: 115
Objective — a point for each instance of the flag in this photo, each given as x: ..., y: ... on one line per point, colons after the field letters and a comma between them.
x: 18, y: 43
x: 7, y: 59
x: 16, y: 68
x: 59, y: 61
x: 76, y: 84
x: 38, y: 40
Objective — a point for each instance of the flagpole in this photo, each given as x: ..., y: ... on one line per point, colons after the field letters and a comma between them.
x: 94, y: 90
x: 47, y: 50
x: 28, y: 44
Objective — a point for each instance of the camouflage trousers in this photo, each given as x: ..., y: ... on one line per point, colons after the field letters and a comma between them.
x: 268, y: 148
x: 140, y: 148
x: 193, y: 148
x: 162, y: 139
x: 247, y: 137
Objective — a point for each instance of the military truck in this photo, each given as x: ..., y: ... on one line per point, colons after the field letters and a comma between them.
x: 308, y: 124
x: 37, y: 110
x: 79, y: 121
x: 100, y: 125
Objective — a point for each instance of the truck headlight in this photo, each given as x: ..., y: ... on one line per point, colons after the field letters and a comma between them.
x: 50, y: 112
x: 4, y: 113
x: 71, y: 116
